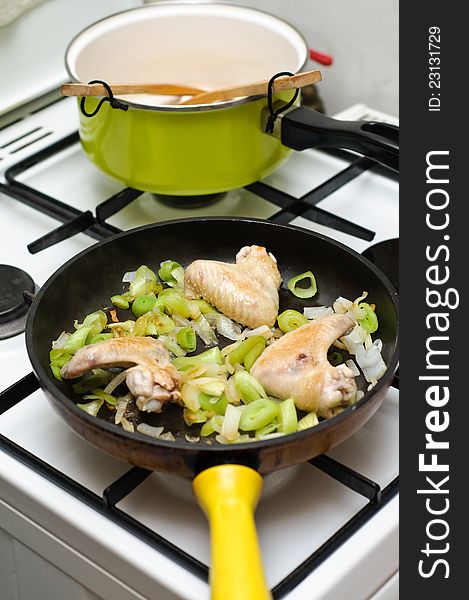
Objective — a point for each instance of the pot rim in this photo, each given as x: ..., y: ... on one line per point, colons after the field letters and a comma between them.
x: 190, y: 107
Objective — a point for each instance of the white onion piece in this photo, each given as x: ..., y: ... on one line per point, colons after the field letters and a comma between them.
x: 180, y: 321
x: 270, y: 436
x: 231, y: 393
x: 192, y: 438
x: 213, y: 386
x: 168, y: 436
x: 221, y: 439
x: 371, y: 362
x: 129, y: 276
x: 353, y: 367
x: 368, y: 342
x: 225, y: 326
x: 314, y: 312
x: 121, y: 407
x: 263, y: 330
x: 190, y: 397
x: 116, y: 381
x: 357, y: 301
x: 359, y: 395
x: 60, y: 342
x: 229, y: 367
x: 354, y: 340
x: 146, y: 429
x: 342, y: 305
x: 229, y: 429
x: 126, y: 425
x: 207, y: 369
x: 202, y: 328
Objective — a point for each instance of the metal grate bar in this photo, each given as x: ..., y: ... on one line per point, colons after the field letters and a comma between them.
x: 41, y: 155
x: 283, y: 217
x: 116, y: 203
x: 18, y: 391
x: 124, y: 485
x: 67, y: 230
x: 337, y: 181
x: 323, y: 217
x: 353, y: 480
x: 281, y: 199
x: 292, y: 207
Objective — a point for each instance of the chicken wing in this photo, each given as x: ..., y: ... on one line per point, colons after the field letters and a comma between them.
x: 296, y: 366
x: 153, y: 380
x: 247, y: 291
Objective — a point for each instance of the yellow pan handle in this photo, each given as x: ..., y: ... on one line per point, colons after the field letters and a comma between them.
x: 228, y: 494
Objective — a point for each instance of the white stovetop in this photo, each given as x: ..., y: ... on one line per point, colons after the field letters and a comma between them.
x: 93, y: 549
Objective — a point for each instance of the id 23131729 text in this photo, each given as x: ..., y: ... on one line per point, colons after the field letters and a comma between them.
x: 434, y: 73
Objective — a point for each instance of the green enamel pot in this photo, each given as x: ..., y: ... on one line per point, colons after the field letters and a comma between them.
x: 154, y: 144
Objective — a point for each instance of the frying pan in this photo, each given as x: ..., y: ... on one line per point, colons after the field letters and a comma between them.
x: 227, y: 478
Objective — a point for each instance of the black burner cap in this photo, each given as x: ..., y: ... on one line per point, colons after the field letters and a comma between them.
x: 13, y: 305
x: 385, y: 255
x: 189, y: 201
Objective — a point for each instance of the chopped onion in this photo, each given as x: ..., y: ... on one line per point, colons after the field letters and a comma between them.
x: 115, y: 382
x: 180, y: 321
x: 192, y: 438
x: 354, y: 340
x: 222, y: 439
x: 225, y: 326
x: 368, y: 342
x: 212, y: 386
x: 371, y: 362
x: 121, y: 407
x: 129, y: 276
x: 270, y: 436
x: 314, y: 312
x: 353, y: 367
x: 359, y: 395
x: 342, y: 305
x: 146, y: 429
x: 263, y: 330
x: 190, y: 397
x: 126, y: 425
x: 230, y: 425
x: 229, y: 367
x: 170, y: 343
x: 202, y: 328
x: 231, y: 393
x: 60, y: 342
x: 168, y: 436
x: 357, y: 301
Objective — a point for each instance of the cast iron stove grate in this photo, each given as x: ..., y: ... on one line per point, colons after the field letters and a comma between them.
x: 75, y: 221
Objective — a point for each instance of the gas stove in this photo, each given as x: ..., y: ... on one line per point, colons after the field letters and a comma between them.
x: 327, y: 529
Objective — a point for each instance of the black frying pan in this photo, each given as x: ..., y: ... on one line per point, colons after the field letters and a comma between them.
x: 226, y: 483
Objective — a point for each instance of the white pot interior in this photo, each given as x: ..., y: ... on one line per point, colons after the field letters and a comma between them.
x: 208, y: 46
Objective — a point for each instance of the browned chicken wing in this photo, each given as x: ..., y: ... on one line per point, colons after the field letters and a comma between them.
x: 247, y: 291
x: 296, y: 366
x: 153, y: 381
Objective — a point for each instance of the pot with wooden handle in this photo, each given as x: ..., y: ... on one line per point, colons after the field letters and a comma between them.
x: 195, y: 145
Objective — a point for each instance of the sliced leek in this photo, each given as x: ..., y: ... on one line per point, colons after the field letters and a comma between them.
x: 302, y: 292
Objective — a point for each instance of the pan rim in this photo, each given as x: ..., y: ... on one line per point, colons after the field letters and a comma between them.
x: 234, y: 449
